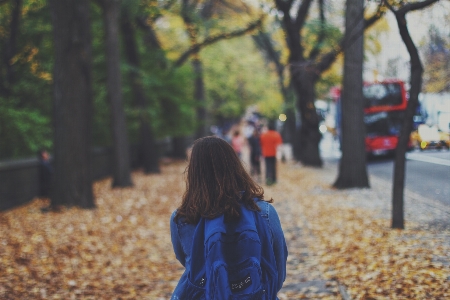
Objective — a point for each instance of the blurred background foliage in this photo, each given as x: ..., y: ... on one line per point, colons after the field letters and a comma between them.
x: 236, y: 72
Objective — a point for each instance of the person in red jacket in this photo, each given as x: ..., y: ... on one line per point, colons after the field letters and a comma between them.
x: 270, y: 140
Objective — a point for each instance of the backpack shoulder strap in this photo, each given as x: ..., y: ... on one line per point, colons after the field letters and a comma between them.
x: 245, y: 222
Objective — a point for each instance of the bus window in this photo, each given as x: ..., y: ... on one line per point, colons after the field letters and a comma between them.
x: 382, y: 94
x: 384, y: 123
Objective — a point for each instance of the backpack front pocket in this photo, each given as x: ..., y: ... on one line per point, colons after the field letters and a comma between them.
x: 240, y: 281
x: 193, y: 292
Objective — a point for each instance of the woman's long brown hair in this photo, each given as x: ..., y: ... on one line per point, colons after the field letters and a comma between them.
x: 216, y: 183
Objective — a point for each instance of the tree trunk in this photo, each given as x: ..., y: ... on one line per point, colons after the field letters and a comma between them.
x: 305, y: 71
x: 187, y: 13
x: 179, y: 147
x: 199, y: 96
x: 121, y: 152
x: 352, y: 167
x: 309, y: 135
x: 148, y: 149
x: 291, y: 131
x: 72, y: 180
x: 416, y: 86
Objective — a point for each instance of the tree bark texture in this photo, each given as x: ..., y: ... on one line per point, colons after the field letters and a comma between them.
x: 199, y: 94
x: 400, y: 160
x: 72, y: 180
x: 179, y: 147
x: 121, y: 152
x: 148, y: 148
x: 199, y: 87
x: 352, y: 167
x: 303, y: 80
x: 309, y: 135
x: 416, y: 86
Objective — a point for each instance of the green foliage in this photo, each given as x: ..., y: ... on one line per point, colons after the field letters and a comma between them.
x: 22, y: 131
x: 236, y: 77
x: 330, y: 78
x: 25, y: 103
x: 437, y: 60
x: 169, y: 94
x: 171, y: 107
x: 101, y: 123
x: 332, y: 36
x: 312, y: 31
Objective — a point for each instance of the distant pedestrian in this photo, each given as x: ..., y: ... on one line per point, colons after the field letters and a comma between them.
x: 237, y: 142
x: 255, y: 154
x: 270, y: 140
x: 226, y: 135
x: 223, y: 213
x: 45, y: 173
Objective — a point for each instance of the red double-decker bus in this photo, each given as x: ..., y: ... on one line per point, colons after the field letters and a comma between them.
x: 384, y: 110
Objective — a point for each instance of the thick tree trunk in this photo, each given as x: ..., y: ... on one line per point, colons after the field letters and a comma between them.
x: 148, y: 149
x: 72, y: 184
x: 352, y: 167
x: 309, y: 135
x: 399, y: 165
x: 121, y: 152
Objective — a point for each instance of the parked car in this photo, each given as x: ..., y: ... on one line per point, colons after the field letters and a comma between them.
x: 430, y: 137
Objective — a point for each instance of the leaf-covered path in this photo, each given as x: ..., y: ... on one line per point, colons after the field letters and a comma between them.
x: 122, y: 249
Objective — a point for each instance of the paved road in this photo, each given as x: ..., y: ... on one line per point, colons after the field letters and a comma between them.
x: 425, y: 176
x: 427, y: 172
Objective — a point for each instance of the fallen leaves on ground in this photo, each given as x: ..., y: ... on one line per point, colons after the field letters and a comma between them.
x: 122, y: 249
x: 363, y: 253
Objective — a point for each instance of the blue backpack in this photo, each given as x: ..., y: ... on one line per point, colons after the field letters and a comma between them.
x: 233, y: 260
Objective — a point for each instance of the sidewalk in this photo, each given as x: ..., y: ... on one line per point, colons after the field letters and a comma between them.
x: 341, y: 245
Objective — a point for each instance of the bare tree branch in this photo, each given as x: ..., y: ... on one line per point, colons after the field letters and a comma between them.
x: 328, y: 59
x: 402, y: 23
x: 403, y: 10
x: 302, y: 13
x: 375, y: 17
x: 264, y: 42
x: 416, y: 6
x: 284, y: 6
x: 316, y: 50
x: 213, y: 39
x: 292, y: 27
x: 150, y: 37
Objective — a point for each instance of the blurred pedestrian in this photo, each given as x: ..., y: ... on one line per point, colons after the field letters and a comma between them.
x: 226, y: 135
x: 270, y: 140
x: 255, y: 154
x: 45, y: 173
x: 237, y: 142
x: 221, y: 194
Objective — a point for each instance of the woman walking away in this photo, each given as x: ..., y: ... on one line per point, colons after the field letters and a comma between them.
x: 228, y: 238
